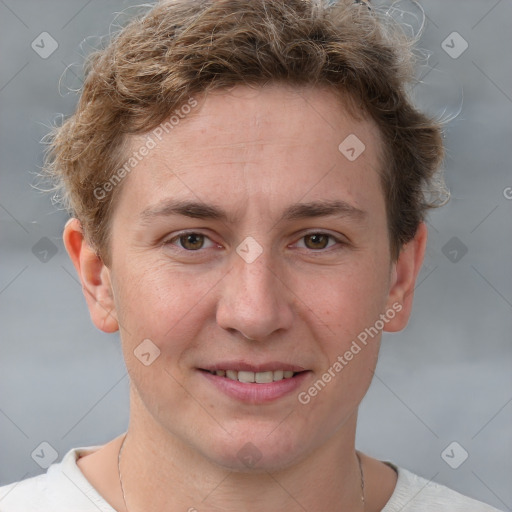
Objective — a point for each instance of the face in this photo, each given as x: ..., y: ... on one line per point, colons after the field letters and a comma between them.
x: 246, y: 240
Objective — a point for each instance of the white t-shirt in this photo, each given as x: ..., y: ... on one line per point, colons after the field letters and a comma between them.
x: 64, y: 488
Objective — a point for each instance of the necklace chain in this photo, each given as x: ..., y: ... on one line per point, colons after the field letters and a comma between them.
x: 124, y: 497
x: 362, y: 478
x: 119, y: 470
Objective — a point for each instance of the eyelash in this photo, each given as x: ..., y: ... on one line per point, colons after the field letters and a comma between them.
x: 177, y: 237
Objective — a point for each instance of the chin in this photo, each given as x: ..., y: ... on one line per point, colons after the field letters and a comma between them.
x: 253, y: 451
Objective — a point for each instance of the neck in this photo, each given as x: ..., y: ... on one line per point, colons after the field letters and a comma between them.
x: 157, y: 468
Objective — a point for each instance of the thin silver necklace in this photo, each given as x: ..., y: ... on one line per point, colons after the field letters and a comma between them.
x: 124, y: 497
x: 362, y: 477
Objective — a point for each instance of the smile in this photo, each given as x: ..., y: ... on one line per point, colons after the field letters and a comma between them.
x: 255, y: 387
x: 254, y: 377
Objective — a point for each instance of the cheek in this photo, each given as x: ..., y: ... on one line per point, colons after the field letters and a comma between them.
x: 348, y: 299
x: 145, y: 292
x: 347, y: 308
x: 346, y: 312
x: 155, y: 311
x: 156, y: 302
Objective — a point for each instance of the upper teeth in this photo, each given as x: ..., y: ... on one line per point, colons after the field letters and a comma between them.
x: 259, y: 377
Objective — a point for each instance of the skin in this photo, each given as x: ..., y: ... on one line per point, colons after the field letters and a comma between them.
x: 252, y: 152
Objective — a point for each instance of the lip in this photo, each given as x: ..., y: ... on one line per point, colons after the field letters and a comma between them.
x: 250, y: 392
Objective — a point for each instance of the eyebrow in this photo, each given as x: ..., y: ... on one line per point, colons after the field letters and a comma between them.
x: 297, y: 211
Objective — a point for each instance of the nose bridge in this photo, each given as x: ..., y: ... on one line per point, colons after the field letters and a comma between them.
x: 254, y: 300
x: 258, y: 277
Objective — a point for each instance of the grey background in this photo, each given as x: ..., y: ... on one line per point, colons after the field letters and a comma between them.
x: 447, y: 377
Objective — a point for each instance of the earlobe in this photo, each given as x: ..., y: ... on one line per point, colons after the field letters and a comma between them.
x: 403, y: 279
x: 94, y: 276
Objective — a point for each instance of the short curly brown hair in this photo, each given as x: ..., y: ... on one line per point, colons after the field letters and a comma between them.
x: 181, y: 48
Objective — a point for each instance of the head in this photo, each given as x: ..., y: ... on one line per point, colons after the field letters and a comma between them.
x: 247, y: 181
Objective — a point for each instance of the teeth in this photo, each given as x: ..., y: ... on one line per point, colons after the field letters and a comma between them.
x: 258, y: 377
x: 263, y: 377
x: 246, y: 376
x: 278, y: 375
x: 231, y: 374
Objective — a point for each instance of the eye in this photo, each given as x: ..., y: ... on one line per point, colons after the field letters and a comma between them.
x: 320, y: 240
x: 190, y: 241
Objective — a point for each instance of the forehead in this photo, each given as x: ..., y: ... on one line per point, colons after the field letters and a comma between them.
x: 276, y: 141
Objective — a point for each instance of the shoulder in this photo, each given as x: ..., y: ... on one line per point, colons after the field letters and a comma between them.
x: 29, y: 494
x: 414, y: 493
x: 61, y: 489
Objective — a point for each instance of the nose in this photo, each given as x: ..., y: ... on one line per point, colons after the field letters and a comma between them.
x: 254, y: 300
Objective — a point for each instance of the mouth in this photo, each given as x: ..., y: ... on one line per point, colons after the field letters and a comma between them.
x: 255, y: 384
x: 264, y: 377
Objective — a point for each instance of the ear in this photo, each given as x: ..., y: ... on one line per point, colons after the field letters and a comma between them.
x: 94, y: 276
x: 403, y: 279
